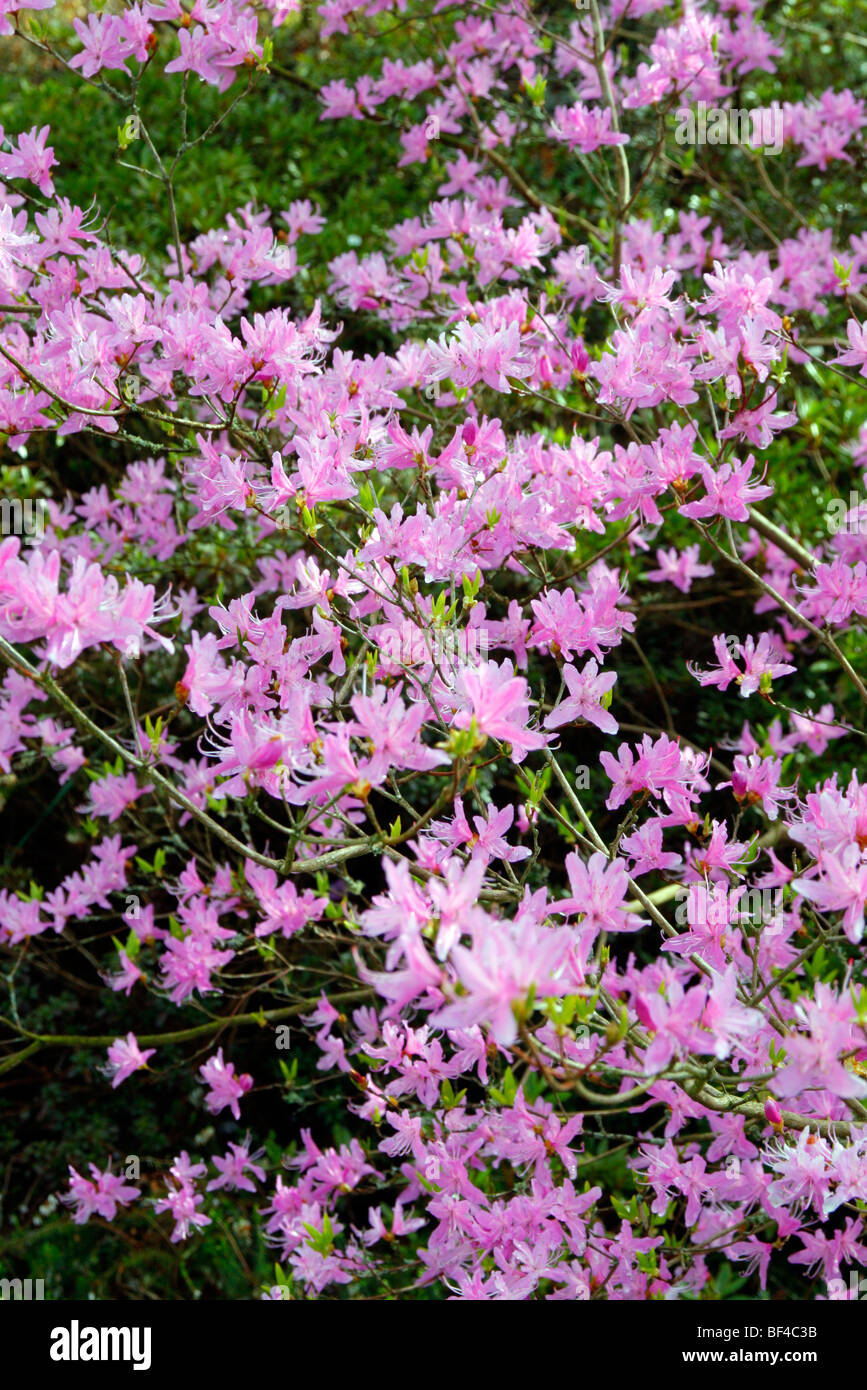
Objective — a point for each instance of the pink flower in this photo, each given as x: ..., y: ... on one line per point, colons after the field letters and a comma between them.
x: 757, y: 780
x: 105, y: 44
x: 102, y: 1196
x: 736, y: 295
x: 199, y: 49
x: 761, y: 664
x: 813, y: 1056
x: 674, y: 1019
x: 644, y: 845
x: 111, y: 795
x: 125, y: 1056
x: 188, y: 965
x: 32, y: 160
x: 840, y: 885
x: 183, y: 1203
x: 660, y: 768
x: 497, y: 973
x: 599, y: 890
x: 226, y: 1088
x: 497, y: 702
x: 729, y: 491
x: 129, y: 975
x: 476, y: 353
x: 679, y: 567
x: 856, y: 353
x: 401, y: 1225
x: 586, y: 624
x: 587, y: 690
x: 233, y: 1167
x: 12, y: 7
x: 585, y: 128
x: 840, y: 591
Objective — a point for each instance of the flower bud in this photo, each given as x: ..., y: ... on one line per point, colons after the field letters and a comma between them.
x: 773, y: 1113
x: 580, y: 358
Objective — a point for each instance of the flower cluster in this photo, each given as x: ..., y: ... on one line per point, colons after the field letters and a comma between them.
x: 381, y: 639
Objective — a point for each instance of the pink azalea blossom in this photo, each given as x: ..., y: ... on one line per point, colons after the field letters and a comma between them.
x: 125, y: 1056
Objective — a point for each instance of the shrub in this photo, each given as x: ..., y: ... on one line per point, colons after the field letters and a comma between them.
x: 432, y: 613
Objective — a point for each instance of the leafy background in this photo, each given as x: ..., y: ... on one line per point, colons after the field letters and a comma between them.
x: 272, y: 149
